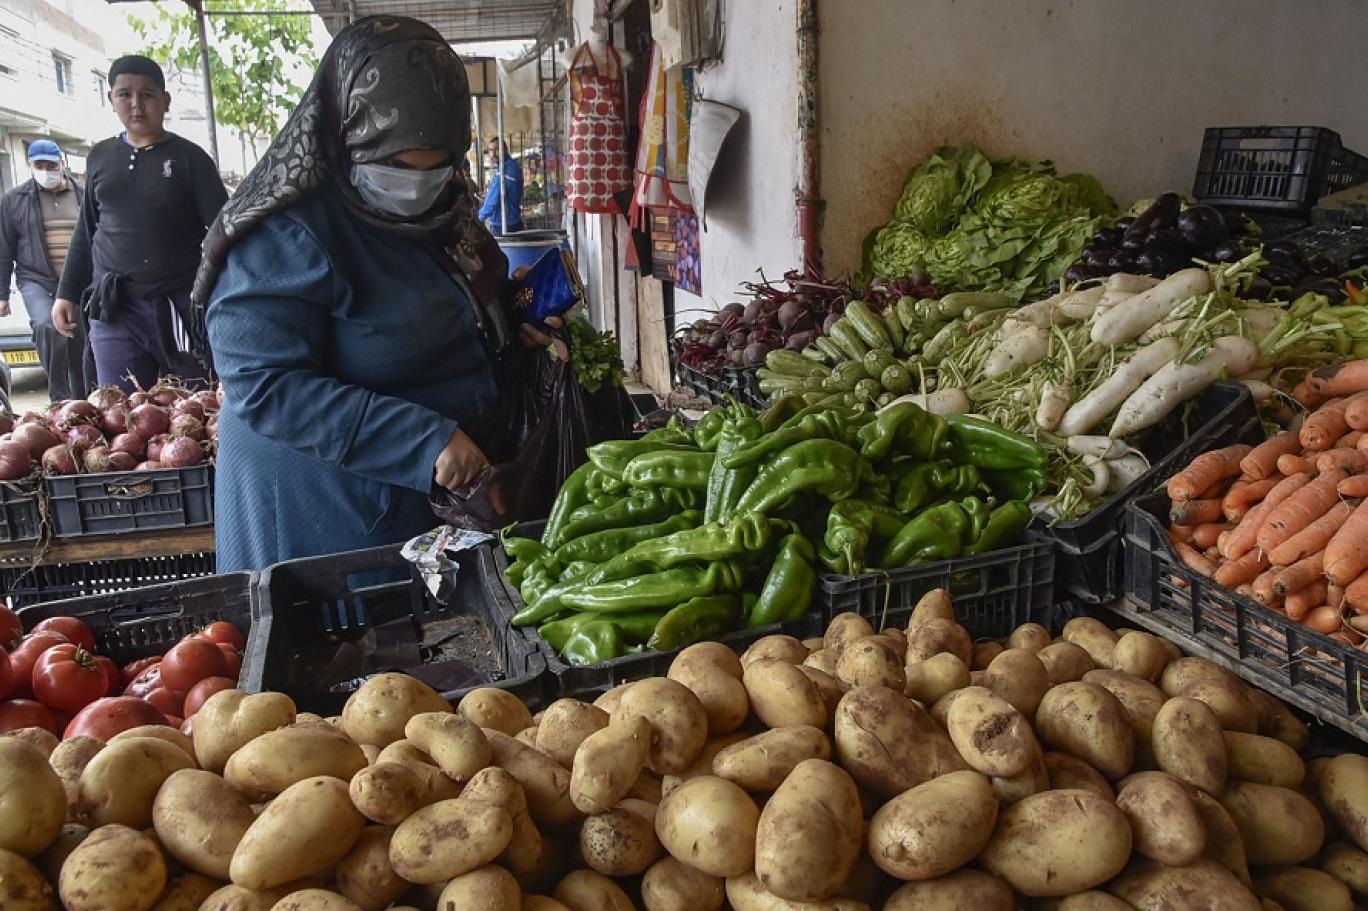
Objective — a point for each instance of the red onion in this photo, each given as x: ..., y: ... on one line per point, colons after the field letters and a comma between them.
x: 188, y: 406
x: 137, y: 398
x: 15, y: 462
x: 129, y: 443
x: 114, y: 420
x: 208, y: 400
x: 149, y: 466
x: 122, y: 461
x: 165, y: 395
x: 181, y: 452
x: 184, y: 425
x: 155, y: 445
x: 106, y: 397
x: 33, y: 417
x: 6, y: 423
x: 35, y: 437
x: 77, y: 412
x: 83, y: 436
x: 148, y: 421
x: 60, y: 459
x: 95, y: 460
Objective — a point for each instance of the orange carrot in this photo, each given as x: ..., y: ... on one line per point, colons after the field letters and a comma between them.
x: 1323, y: 619
x: 1245, y: 535
x: 1356, y: 594
x: 1262, y: 460
x: 1362, y: 444
x: 1325, y: 425
x: 1339, y: 379
x: 1245, y: 569
x: 1194, y: 560
x: 1359, y: 623
x: 1312, y: 538
x: 1205, y: 536
x: 1349, y: 440
x: 1300, y: 574
x: 1223, y: 538
x: 1262, y: 589
x: 1181, y: 533
x: 1205, y: 470
x: 1215, y: 491
x: 1350, y: 460
x: 1307, y: 393
x: 1298, y: 603
x: 1299, y: 510
x: 1346, y: 556
x: 1347, y: 635
x: 1195, y: 512
x: 1355, y: 485
x: 1356, y: 411
x: 1244, y: 494
x: 1334, y: 594
x: 1290, y: 464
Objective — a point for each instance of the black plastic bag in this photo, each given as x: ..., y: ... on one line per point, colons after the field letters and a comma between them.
x: 534, y: 436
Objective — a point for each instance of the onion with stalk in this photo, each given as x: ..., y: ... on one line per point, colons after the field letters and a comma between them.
x: 70, y: 414
x: 149, y: 466
x: 60, y: 460
x: 209, y: 401
x: 135, y: 399
x: 181, y: 452
x: 130, y: 443
x: 95, y: 460
x: 106, y: 397
x: 184, y: 425
x: 6, y: 423
x: 114, y: 420
x: 84, y: 436
x: 36, y: 438
x: 15, y: 461
x: 188, y: 406
x: 122, y: 461
x: 155, y: 446
x: 32, y: 417
x: 149, y: 420
x: 165, y: 394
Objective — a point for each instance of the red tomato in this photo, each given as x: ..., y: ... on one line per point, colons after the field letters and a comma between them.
x: 132, y: 669
x: 165, y: 701
x: 67, y: 678
x: 23, y: 658
x: 25, y: 713
x: 223, y: 632
x: 203, y: 690
x: 112, y: 674
x: 104, y: 718
x: 11, y: 629
x: 145, y: 682
x: 4, y: 673
x: 234, y: 658
x: 175, y: 721
x: 190, y: 661
x: 75, y: 631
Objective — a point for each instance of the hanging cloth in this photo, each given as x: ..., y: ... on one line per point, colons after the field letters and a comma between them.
x: 662, y: 170
x: 596, y: 164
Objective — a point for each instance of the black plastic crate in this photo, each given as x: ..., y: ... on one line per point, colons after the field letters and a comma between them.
x: 341, y: 598
x: 1090, y: 564
x: 22, y: 584
x: 993, y: 593
x: 20, y: 518
x: 147, y: 621
x: 1298, y: 665
x: 747, y: 384
x: 589, y: 678
x: 713, y: 387
x: 1284, y: 169
x: 101, y: 504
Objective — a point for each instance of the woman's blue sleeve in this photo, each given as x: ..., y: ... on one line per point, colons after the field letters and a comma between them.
x: 267, y: 320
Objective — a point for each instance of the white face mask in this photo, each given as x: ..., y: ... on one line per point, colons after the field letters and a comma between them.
x: 400, y: 191
x: 48, y: 180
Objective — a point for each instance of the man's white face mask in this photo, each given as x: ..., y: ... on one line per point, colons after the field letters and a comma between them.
x: 48, y: 180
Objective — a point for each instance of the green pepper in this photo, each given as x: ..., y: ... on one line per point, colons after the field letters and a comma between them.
x: 672, y: 432
x: 981, y: 444
x: 697, y: 619
x: 1016, y: 483
x: 1004, y: 527
x: 515, y: 573
x: 935, y: 533
x: 779, y: 411
x: 613, y: 456
x: 977, y: 511
x: 536, y: 581
x: 822, y: 425
x: 599, y: 546
x: 709, y: 428
x: 787, y: 591
x: 578, y: 569
x: 682, y: 470
x: 743, y: 535
x: 601, y: 487
x: 524, y: 549
x: 557, y: 632
x: 598, y: 640
x: 851, y: 525
x: 904, y: 429
x: 925, y: 482
x: 823, y: 467
x: 666, y: 588
x: 573, y: 494
x: 641, y: 508
x: 726, y: 484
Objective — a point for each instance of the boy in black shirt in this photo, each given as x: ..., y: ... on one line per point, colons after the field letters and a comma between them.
x: 150, y: 197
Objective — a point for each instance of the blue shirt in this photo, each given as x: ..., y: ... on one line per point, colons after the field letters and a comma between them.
x: 348, y: 358
x: 510, y: 188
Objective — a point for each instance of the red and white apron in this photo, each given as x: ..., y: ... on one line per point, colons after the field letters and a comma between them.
x: 597, y: 166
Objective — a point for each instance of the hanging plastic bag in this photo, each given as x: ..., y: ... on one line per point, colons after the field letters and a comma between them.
x: 534, y: 436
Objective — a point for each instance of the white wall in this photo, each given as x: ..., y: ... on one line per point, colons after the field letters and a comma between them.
x: 1118, y: 88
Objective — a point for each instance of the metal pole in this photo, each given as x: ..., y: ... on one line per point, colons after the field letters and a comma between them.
x: 808, y: 190
x: 498, y: 102
x: 208, y: 82
x: 479, y: 143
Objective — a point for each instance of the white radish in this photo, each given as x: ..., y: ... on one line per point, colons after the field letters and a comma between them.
x: 1111, y: 299
x: 1261, y: 391
x: 1101, y: 477
x: 1081, y: 304
x: 1125, y: 470
x: 1262, y: 320
x: 1096, y: 447
x: 1027, y: 345
x: 1128, y: 319
x: 950, y: 400
x: 1043, y: 313
x: 1131, y: 284
x: 1054, y: 401
x: 1102, y: 401
x: 1175, y: 383
x: 1161, y: 330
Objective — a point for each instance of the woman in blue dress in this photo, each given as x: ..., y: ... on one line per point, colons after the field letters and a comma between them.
x: 352, y: 303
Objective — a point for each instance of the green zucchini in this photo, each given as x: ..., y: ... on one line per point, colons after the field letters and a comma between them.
x: 907, y: 313
x: 844, y: 377
x: 792, y: 363
x: 894, y: 327
x: 952, y: 306
x: 834, y: 353
x: 876, y: 362
x: 867, y: 390
x: 868, y: 324
x: 844, y: 334
x: 896, y: 379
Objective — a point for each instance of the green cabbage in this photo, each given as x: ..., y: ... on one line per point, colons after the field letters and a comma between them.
x: 938, y: 190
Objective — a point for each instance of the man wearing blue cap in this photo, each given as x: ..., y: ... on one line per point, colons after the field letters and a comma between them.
x: 37, y: 219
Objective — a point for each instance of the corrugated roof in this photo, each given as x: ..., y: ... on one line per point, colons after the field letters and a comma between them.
x: 458, y: 20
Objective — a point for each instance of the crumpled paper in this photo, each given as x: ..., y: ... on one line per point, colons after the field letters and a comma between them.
x: 431, y: 553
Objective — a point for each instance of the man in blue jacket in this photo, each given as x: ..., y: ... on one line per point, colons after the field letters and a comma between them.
x: 505, y: 192
x: 37, y: 219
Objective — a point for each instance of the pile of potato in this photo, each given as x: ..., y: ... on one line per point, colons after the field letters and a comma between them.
x: 908, y: 769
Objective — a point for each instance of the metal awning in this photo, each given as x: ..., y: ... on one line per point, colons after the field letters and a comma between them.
x: 459, y: 21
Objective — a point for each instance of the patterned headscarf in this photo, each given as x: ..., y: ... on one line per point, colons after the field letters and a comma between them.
x: 386, y: 84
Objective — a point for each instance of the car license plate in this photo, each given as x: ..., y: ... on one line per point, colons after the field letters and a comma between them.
x: 21, y: 357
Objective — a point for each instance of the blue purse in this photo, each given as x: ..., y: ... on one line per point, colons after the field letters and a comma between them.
x: 551, y: 287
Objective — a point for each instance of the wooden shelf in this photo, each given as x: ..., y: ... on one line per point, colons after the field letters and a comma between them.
x: 128, y: 545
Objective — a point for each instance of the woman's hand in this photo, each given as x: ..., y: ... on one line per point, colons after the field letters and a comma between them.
x: 532, y: 337
x: 459, y: 462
